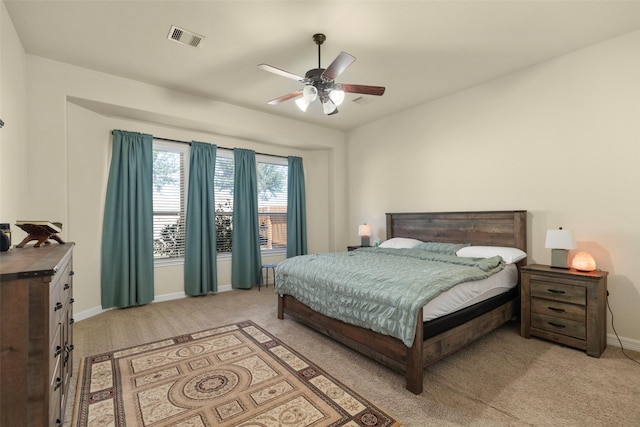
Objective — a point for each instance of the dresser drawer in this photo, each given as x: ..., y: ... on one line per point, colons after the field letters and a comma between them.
x: 559, y: 325
x: 61, y: 289
x: 562, y: 310
x: 557, y: 291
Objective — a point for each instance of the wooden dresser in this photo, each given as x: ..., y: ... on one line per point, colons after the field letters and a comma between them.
x: 565, y: 306
x: 36, y: 334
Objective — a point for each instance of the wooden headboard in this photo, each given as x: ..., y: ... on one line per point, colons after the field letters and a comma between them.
x: 492, y: 228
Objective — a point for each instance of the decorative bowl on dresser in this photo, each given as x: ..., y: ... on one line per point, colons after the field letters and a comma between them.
x: 36, y: 334
x: 566, y: 306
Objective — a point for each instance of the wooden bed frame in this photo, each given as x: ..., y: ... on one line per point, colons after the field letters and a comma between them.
x: 495, y: 228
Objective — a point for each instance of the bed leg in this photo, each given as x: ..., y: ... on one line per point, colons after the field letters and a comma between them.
x: 414, y: 371
x: 280, y: 306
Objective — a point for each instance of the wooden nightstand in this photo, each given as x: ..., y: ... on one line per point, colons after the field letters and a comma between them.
x: 565, y: 306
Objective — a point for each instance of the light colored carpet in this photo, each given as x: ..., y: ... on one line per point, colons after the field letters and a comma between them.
x: 500, y: 380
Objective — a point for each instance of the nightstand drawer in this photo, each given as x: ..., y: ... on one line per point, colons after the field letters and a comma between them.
x: 558, y: 291
x: 562, y: 310
x: 559, y: 325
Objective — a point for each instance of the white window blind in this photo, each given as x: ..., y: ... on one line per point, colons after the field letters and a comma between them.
x: 272, y: 201
x: 170, y: 176
x: 223, y: 184
x: 169, y: 199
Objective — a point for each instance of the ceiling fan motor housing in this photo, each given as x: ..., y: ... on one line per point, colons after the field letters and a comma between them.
x: 314, y: 77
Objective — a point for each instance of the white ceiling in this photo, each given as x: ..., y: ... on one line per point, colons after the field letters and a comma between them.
x: 419, y: 50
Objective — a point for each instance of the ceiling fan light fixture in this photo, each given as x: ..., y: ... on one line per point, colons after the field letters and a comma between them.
x: 337, y: 96
x: 310, y: 93
x: 329, y: 107
x: 302, y: 103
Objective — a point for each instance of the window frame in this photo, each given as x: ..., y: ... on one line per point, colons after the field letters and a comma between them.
x: 279, y: 161
x: 184, y: 149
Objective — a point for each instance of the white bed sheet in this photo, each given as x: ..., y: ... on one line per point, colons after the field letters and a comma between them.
x: 469, y: 293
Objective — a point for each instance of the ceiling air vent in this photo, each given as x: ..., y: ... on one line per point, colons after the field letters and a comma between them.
x: 185, y: 37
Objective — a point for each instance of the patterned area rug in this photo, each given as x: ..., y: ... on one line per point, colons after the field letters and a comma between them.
x: 235, y: 375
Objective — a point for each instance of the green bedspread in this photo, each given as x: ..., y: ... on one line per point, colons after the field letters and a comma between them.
x: 377, y: 288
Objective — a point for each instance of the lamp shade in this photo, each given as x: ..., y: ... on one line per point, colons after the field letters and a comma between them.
x: 328, y: 106
x: 559, y: 239
x: 364, y: 230
x: 310, y: 93
x: 337, y: 96
x: 302, y: 103
x: 583, y: 261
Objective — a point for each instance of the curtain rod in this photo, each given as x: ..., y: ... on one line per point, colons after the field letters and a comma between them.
x: 224, y: 148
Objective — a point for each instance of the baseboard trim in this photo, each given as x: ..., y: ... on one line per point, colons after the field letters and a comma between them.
x: 82, y: 315
x: 627, y: 343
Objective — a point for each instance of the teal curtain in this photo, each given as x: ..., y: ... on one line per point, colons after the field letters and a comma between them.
x: 127, y: 231
x: 200, y: 269
x: 296, y: 209
x: 246, y: 264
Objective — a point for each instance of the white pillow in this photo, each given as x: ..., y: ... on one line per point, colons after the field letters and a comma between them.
x: 400, y: 243
x: 509, y: 255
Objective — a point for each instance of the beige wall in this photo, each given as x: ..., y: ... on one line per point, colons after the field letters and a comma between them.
x: 560, y: 140
x: 71, y: 113
x: 13, y: 112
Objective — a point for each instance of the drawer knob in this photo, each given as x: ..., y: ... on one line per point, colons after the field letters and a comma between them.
x: 58, y: 383
x: 72, y: 321
x: 555, y: 291
x: 557, y: 325
x: 57, y: 352
x: 66, y: 286
x: 72, y: 300
x: 58, y: 306
x: 557, y: 310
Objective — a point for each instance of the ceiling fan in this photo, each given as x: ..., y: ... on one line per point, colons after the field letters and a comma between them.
x: 319, y: 83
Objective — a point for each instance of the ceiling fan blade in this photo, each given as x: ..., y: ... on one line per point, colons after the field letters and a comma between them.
x: 280, y: 72
x: 342, y: 61
x: 285, y: 97
x: 367, y: 90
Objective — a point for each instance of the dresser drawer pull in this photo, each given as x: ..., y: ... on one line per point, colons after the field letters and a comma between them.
x: 71, y: 273
x: 66, y: 286
x: 557, y: 310
x: 58, y: 306
x: 555, y: 291
x: 58, y: 383
x: 72, y: 300
x: 57, y: 352
x: 68, y: 349
x: 72, y: 321
x: 58, y: 422
x: 557, y: 325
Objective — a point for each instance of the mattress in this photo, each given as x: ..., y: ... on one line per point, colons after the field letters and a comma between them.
x: 470, y: 293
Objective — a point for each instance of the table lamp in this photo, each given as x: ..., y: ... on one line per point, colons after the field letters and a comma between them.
x: 559, y: 241
x: 364, y: 231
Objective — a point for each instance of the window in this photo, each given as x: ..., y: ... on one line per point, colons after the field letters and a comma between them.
x: 223, y: 185
x: 170, y: 177
x: 272, y: 175
x: 169, y: 199
x: 272, y: 201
